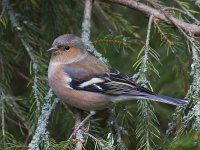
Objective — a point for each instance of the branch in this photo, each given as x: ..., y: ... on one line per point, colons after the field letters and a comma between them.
x: 86, y: 30
x: 144, y: 68
x: 2, y: 98
x: 146, y: 131
x: 183, y: 32
x: 193, y: 95
x: 161, y: 32
x: 4, y: 6
x: 79, y: 134
x: 41, y: 130
x: 19, y: 30
x: 112, y: 121
x: 15, y: 24
x: 149, y: 11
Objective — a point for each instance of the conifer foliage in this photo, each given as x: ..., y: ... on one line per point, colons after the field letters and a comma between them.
x: 156, y: 42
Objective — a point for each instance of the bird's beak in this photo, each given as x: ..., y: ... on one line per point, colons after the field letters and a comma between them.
x: 52, y: 49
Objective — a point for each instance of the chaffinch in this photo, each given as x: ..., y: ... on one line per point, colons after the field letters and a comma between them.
x: 83, y: 81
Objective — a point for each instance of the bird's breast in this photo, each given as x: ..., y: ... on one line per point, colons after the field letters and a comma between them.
x: 58, y: 80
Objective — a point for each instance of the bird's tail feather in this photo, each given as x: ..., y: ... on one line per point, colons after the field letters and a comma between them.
x: 166, y: 99
x: 136, y: 95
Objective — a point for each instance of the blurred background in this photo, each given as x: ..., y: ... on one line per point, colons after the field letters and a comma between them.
x: 27, y: 30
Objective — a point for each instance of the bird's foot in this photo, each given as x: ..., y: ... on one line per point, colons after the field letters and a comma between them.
x: 80, y: 125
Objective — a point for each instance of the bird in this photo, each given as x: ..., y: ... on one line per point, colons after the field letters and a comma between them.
x: 83, y: 81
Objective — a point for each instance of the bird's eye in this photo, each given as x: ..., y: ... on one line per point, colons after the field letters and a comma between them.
x: 67, y: 48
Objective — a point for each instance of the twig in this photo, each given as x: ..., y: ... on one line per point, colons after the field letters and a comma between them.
x: 148, y: 11
x: 147, y: 119
x: 163, y: 35
x: 15, y: 122
x: 110, y: 41
x: 141, y: 75
x: 79, y: 133
x: 18, y: 29
x: 194, y: 53
x: 182, y: 31
x: 105, y: 18
x: 15, y: 24
x: 118, y: 129
x: 67, y: 109
x: 86, y: 30
x: 2, y: 98
x: 17, y: 111
x: 20, y: 74
x: 4, y: 6
x: 188, y: 13
x: 185, y: 12
x: 193, y: 96
x: 148, y: 31
x: 43, y: 121
x: 86, y: 21
x: 143, y: 67
x: 86, y: 40
x: 78, y: 130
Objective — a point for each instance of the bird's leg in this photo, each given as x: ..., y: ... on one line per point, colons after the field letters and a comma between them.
x: 84, y: 120
x: 79, y: 124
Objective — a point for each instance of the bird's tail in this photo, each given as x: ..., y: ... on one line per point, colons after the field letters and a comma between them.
x: 166, y: 99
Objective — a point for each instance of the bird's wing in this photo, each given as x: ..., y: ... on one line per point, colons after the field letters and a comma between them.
x: 85, y: 69
x: 116, y: 83
x: 112, y: 83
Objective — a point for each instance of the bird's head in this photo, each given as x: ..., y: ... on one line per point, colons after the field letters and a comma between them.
x: 67, y: 48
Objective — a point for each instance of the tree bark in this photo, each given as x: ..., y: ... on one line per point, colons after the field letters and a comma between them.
x: 191, y: 29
